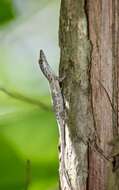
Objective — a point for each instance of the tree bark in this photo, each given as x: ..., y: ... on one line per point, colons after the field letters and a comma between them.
x: 75, y: 66
x: 103, y: 33
x: 89, y: 43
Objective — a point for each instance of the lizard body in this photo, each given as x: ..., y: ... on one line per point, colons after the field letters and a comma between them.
x: 58, y: 104
x: 59, y: 108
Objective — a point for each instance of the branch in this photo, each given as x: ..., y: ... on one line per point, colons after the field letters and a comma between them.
x: 23, y: 98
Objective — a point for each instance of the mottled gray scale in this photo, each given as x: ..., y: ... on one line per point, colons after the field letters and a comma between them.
x: 45, y: 67
x: 58, y: 105
x: 54, y: 86
x: 57, y: 99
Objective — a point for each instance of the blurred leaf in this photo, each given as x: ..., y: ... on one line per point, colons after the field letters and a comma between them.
x: 11, y: 167
x: 26, y: 132
x: 30, y: 136
x: 7, y: 11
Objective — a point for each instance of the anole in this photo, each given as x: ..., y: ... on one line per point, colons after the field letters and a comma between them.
x: 59, y: 108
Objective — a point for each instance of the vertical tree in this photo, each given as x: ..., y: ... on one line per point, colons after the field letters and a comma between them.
x: 89, y: 43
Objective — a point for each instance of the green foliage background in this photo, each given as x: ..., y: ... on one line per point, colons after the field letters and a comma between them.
x: 7, y: 11
x: 27, y: 132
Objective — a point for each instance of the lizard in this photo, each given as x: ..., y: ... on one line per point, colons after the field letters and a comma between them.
x: 58, y: 105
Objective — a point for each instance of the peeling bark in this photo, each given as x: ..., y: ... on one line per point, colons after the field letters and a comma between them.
x: 103, y: 32
x: 89, y: 43
x: 75, y: 66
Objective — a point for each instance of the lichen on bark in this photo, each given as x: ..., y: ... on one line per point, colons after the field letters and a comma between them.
x: 75, y: 66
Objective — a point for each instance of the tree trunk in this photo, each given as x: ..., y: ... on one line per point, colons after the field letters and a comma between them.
x: 89, y: 43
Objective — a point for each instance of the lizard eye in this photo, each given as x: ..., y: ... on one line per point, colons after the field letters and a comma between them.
x: 40, y: 61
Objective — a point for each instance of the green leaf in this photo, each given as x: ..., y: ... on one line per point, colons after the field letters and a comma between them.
x: 7, y: 11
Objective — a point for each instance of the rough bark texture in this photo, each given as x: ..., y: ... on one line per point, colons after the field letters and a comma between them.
x: 75, y: 66
x: 103, y: 17
x: 89, y: 44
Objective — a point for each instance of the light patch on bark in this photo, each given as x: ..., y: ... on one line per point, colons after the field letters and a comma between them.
x: 75, y: 66
x: 66, y: 104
